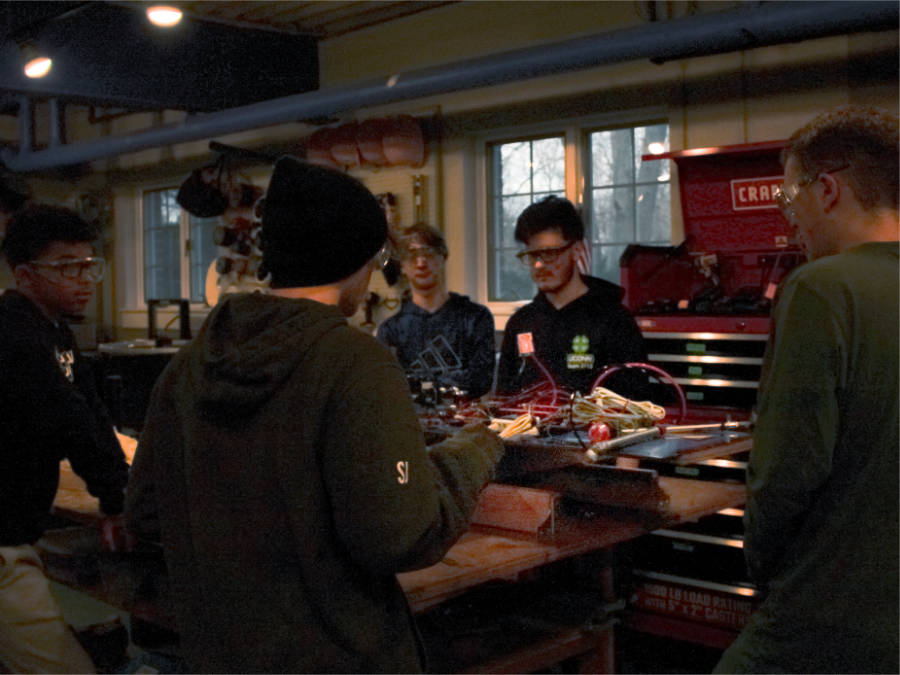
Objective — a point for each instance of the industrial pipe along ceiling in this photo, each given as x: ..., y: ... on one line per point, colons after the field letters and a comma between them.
x: 700, y: 35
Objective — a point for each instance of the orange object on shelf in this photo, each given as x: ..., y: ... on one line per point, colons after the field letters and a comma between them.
x: 403, y: 142
x: 344, y: 149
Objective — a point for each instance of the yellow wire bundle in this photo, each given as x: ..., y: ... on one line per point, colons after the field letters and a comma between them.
x: 523, y: 424
x: 620, y: 413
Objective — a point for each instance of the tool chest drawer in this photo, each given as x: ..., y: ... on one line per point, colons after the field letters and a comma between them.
x: 713, y: 368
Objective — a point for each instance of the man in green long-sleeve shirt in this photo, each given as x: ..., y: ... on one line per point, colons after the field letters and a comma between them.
x: 822, y: 485
x: 282, y: 465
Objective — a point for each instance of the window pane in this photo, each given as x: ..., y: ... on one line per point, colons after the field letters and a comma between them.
x: 653, y: 214
x: 515, y: 168
x: 508, y: 212
x: 549, y: 165
x: 613, y: 215
x: 606, y: 262
x: 629, y: 197
x: 511, y: 280
x: 203, y: 252
x: 651, y: 140
x: 162, y: 249
x: 612, y: 157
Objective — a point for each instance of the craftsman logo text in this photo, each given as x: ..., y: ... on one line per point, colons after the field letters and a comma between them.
x: 755, y: 193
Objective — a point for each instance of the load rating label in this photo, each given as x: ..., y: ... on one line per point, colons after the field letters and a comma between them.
x: 694, y: 604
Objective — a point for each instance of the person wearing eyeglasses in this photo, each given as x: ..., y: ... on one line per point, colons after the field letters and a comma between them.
x: 821, y: 518
x: 49, y: 411
x: 439, y: 335
x: 576, y: 325
x: 282, y: 466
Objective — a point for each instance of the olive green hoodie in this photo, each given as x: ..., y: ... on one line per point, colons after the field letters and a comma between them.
x: 285, y: 472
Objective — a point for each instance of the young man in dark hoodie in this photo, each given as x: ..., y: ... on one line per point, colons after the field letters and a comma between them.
x: 282, y: 464
x: 434, y: 313
x: 576, y: 325
x: 49, y: 411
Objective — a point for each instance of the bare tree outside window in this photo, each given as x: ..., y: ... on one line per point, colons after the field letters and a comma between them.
x: 629, y: 198
x: 522, y: 173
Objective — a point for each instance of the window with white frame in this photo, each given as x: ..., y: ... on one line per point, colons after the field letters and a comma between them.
x: 178, y: 248
x: 522, y: 172
x: 624, y: 200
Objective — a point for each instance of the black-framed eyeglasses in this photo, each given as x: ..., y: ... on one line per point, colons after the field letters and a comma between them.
x: 90, y: 268
x: 546, y: 255
x: 787, y: 194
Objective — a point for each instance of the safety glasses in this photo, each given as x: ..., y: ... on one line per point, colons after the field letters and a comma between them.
x: 545, y: 255
x: 787, y: 194
x: 413, y: 254
x: 90, y: 268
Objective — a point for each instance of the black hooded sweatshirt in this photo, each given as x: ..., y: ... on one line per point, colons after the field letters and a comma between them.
x: 49, y: 411
x: 575, y: 342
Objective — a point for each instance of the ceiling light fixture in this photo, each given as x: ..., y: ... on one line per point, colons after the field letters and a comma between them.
x: 38, y: 67
x: 164, y: 16
x: 37, y: 64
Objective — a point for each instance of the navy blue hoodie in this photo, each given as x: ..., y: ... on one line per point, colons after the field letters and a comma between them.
x: 468, y: 329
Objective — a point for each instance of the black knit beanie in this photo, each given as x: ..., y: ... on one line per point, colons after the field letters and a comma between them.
x: 318, y: 225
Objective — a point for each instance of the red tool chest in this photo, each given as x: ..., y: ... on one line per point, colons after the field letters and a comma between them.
x: 703, y: 306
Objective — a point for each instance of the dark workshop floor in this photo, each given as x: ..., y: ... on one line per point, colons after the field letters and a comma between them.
x: 636, y: 653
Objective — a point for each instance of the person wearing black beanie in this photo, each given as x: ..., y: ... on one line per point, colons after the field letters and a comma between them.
x: 318, y: 225
x: 282, y: 465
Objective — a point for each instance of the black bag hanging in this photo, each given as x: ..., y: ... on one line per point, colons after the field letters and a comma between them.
x: 201, y: 198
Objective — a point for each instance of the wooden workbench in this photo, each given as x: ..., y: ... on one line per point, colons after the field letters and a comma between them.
x: 136, y: 582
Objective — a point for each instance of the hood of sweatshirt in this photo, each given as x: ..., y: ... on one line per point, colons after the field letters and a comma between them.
x: 248, y: 346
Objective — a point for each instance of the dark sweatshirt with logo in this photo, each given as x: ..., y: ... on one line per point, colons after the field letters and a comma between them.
x: 285, y: 472
x: 575, y: 342
x: 49, y: 411
x: 453, y: 345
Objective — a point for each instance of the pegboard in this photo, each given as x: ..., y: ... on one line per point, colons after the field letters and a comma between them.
x: 414, y: 190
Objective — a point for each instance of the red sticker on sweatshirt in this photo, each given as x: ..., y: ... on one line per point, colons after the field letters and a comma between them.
x: 526, y: 344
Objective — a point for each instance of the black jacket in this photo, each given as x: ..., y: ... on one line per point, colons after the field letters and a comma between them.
x: 575, y: 343
x: 468, y: 329
x: 49, y: 411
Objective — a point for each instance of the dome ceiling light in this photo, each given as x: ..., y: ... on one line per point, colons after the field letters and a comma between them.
x: 164, y: 16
